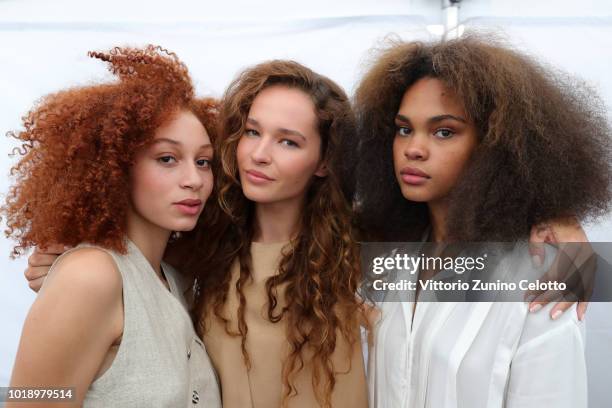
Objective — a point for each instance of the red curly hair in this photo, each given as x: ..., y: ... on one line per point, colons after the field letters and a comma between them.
x: 78, y: 145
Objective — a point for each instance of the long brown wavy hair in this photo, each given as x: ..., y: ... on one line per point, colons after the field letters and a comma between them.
x: 77, y: 147
x: 544, y: 142
x: 320, y: 272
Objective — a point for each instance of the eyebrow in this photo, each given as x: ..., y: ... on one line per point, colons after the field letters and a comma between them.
x: 283, y: 131
x: 433, y: 119
x: 176, y: 142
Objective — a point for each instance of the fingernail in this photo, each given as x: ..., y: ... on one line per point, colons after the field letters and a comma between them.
x: 535, y: 308
x: 556, y: 314
x: 537, y: 261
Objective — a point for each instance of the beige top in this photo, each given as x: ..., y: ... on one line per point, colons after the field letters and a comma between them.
x: 261, y: 387
x: 160, y: 361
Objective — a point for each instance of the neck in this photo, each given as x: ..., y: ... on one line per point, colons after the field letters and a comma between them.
x: 277, y: 222
x: 149, y: 238
x: 438, y: 212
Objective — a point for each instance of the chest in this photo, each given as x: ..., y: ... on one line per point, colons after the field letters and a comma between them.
x: 423, y: 355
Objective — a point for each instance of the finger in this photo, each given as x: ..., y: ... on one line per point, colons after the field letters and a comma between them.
x: 537, y: 238
x: 531, y: 294
x: 560, y: 264
x: 559, y: 309
x: 57, y: 249
x: 535, y: 306
x: 581, y: 310
x: 36, y: 284
x: 536, y: 250
x: 35, y: 272
x: 41, y: 259
x: 545, y: 298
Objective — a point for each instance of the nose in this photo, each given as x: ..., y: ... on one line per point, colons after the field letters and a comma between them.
x: 261, y: 151
x: 416, y: 148
x: 192, y: 177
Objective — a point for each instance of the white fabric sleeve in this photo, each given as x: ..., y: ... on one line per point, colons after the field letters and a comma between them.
x: 549, y: 368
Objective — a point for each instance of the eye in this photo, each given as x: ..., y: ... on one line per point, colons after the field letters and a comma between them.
x: 444, y: 133
x: 166, y: 159
x: 289, y: 143
x: 403, y: 131
x: 251, y: 132
x: 203, y: 163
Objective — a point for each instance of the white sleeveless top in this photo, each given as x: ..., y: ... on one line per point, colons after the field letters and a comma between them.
x: 160, y: 362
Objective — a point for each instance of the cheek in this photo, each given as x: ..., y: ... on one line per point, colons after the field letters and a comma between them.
x: 455, y: 164
x: 398, y: 152
x: 148, y: 180
x: 298, y: 168
x: 242, y: 150
x: 463, y: 156
x: 207, y: 185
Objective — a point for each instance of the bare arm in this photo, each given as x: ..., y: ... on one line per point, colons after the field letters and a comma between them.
x: 71, y: 325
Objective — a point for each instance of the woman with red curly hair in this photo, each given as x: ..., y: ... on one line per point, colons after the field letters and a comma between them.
x: 114, y: 169
x: 277, y: 280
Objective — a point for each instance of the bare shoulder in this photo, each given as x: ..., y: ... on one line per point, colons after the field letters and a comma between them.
x: 85, y: 286
x: 84, y: 272
x: 74, y: 321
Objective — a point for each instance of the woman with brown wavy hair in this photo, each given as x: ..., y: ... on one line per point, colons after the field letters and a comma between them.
x: 277, y: 277
x: 471, y: 141
x: 114, y: 168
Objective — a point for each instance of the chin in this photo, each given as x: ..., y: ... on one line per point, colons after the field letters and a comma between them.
x: 185, y: 226
x: 257, y: 196
x: 415, y: 197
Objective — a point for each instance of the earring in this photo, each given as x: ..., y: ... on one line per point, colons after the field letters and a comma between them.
x: 174, y: 236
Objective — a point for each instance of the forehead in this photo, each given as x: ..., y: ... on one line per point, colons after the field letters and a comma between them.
x: 430, y: 96
x: 282, y: 106
x: 184, y: 127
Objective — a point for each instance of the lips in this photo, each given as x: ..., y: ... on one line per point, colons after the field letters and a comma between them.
x: 257, y: 177
x: 414, y: 176
x: 189, y: 206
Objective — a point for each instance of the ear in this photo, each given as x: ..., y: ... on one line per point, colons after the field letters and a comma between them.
x: 321, y: 170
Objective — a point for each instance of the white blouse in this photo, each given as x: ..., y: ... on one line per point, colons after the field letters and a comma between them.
x: 476, y: 354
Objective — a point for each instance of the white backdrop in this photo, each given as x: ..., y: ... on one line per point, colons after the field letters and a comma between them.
x: 44, y: 44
